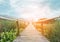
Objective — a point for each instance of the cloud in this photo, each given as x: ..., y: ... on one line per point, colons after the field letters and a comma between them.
x: 4, y: 7
x: 2, y: 1
x: 39, y: 8
x: 55, y: 7
x: 54, y: 4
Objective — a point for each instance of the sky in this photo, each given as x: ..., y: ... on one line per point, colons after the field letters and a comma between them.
x: 30, y: 8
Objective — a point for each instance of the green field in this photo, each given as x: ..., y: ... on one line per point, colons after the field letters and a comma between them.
x: 8, y: 30
x: 53, y: 31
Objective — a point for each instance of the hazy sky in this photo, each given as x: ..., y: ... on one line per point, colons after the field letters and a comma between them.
x: 30, y: 8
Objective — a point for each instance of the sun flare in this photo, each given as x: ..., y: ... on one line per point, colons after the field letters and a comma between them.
x: 33, y: 12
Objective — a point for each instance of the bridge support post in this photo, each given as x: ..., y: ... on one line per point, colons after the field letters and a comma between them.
x: 18, y: 29
x: 42, y: 28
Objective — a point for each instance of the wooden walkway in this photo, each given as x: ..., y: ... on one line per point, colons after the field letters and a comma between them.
x: 30, y: 34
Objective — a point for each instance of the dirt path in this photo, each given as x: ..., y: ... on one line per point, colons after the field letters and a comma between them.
x: 30, y: 34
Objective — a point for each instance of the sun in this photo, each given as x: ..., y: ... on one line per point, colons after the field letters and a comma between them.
x: 31, y: 9
x: 33, y: 12
x: 29, y: 17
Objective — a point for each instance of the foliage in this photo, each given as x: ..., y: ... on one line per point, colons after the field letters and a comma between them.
x: 50, y: 30
x: 53, y: 31
x: 8, y: 30
x: 23, y: 24
x: 8, y: 36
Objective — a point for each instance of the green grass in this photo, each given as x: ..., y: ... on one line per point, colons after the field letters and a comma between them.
x: 8, y: 36
x: 8, y: 31
x: 23, y: 24
x: 53, y: 31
